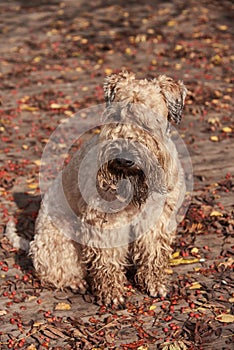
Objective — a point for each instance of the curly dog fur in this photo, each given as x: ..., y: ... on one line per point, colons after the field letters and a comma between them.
x: 137, y: 111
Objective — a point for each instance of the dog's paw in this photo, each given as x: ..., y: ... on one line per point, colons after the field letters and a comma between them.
x: 159, y: 290
x: 112, y: 298
x: 79, y: 286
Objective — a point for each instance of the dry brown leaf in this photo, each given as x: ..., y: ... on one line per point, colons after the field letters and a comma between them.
x: 227, y: 263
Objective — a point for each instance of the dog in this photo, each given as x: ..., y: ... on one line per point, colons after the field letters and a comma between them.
x: 130, y: 221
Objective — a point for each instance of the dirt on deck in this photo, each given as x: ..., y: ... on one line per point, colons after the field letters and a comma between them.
x: 54, y: 56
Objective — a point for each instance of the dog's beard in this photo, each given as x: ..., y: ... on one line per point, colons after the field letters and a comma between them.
x: 124, y: 184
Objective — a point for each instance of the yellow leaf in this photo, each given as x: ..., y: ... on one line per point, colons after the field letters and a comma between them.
x: 195, y: 285
x: 108, y: 71
x: 194, y: 250
x: 196, y: 269
x: 142, y: 347
x: 128, y: 51
x: 68, y: 113
x: 169, y: 271
x: 25, y: 147
x: 231, y: 300
x: 178, y: 47
x: 33, y: 186
x: 216, y: 213
x: 58, y: 106
x: 25, y: 107
x: 37, y: 162
x: 214, y: 138
x: 62, y: 306
x: 227, y: 129
x: 31, y: 347
x: 214, y: 120
x: 175, y: 255
x: 84, y: 41
x: 222, y: 27
x: 152, y: 307
x: 216, y: 59
x: 226, y: 318
x: 182, y: 261
x: 171, y: 23
x: 37, y: 59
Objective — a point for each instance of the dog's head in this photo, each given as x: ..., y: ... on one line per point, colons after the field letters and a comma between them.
x: 163, y: 95
x: 135, y: 144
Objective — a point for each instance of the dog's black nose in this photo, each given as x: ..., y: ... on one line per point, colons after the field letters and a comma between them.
x: 122, y: 162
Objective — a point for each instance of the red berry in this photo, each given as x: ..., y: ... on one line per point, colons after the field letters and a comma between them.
x: 172, y: 308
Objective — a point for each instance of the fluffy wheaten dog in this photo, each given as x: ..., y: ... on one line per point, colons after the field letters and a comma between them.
x: 82, y: 240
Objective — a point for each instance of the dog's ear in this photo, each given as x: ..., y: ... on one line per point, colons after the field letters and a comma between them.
x: 174, y: 94
x: 114, y: 82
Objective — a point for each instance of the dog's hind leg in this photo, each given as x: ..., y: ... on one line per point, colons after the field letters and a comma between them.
x: 56, y: 258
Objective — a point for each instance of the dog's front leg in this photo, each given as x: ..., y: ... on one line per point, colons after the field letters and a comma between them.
x: 106, y: 274
x: 151, y: 254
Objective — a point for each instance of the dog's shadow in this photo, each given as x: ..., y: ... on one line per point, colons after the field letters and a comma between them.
x: 28, y: 207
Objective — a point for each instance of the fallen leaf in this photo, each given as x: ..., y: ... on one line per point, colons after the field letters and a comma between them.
x: 227, y: 263
x: 195, y: 285
x: 227, y: 129
x: 152, y: 307
x: 33, y: 186
x: 171, y: 23
x: 225, y: 318
x: 222, y: 27
x: 175, y: 255
x: 31, y: 347
x: 178, y: 48
x: 62, y: 306
x: 214, y: 138
x: 58, y: 106
x: 3, y: 312
x: 37, y: 162
x: 108, y: 71
x: 181, y: 261
x: 37, y: 59
x: 216, y: 213
x: 194, y: 250
x: 25, y: 107
x: 214, y: 121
